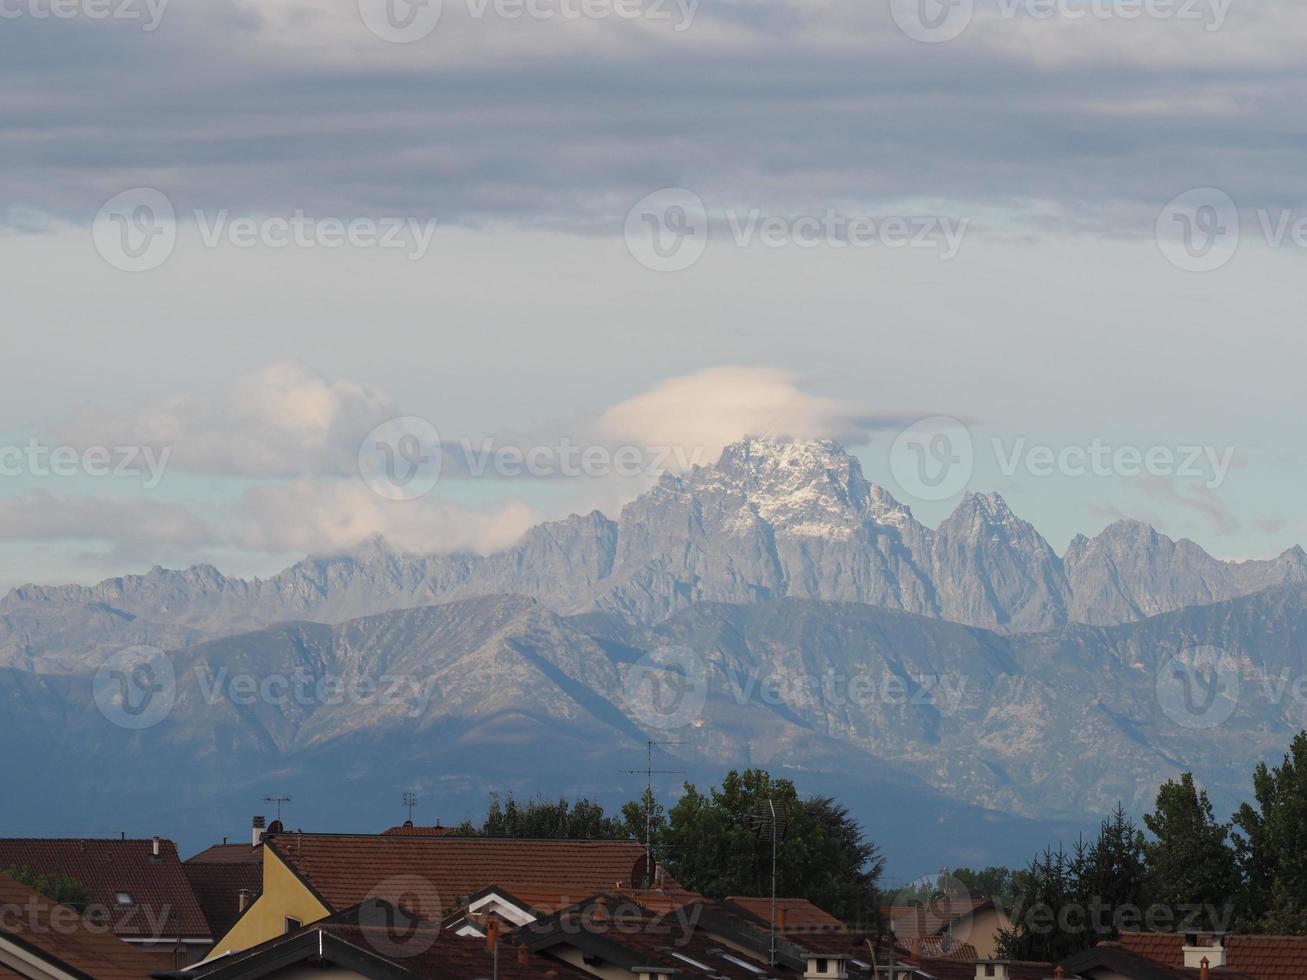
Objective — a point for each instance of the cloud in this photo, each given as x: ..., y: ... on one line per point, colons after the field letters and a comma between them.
x: 1195, y: 498
x: 703, y: 412
x: 316, y: 516
x: 283, y: 420
x: 797, y: 103
x: 134, y: 530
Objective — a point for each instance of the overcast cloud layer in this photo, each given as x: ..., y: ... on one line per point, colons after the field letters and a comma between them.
x: 507, y: 153
x: 1090, y: 121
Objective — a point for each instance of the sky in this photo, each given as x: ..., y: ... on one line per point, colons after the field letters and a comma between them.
x: 1045, y: 247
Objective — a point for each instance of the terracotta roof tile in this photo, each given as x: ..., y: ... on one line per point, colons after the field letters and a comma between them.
x: 162, y: 902
x: 65, y: 939
x: 800, y: 915
x: 411, y: 830
x: 1259, y: 957
x: 217, y: 877
x: 346, y: 870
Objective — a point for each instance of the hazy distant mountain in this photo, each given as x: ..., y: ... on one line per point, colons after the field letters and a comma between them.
x: 904, y: 715
x: 770, y: 519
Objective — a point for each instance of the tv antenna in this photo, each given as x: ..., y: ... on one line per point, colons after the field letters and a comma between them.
x: 649, y: 773
x: 279, y: 800
x: 769, y: 823
x: 410, y: 801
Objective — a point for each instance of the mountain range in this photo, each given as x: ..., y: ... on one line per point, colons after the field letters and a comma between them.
x: 965, y: 676
x: 771, y: 519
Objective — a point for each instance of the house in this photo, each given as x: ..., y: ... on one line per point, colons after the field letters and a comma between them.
x: 793, y: 915
x: 308, y: 877
x: 977, y: 922
x: 42, y: 940
x: 136, y: 888
x: 1174, y: 955
x: 380, y: 941
x: 225, y: 879
x: 615, y: 937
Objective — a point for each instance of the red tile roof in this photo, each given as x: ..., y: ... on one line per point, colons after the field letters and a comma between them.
x: 420, y: 948
x: 217, y: 877
x: 411, y: 830
x: 345, y: 870
x: 793, y: 914
x: 161, y: 901
x: 1259, y: 957
x: 64, y: 939
x: 951, y: 969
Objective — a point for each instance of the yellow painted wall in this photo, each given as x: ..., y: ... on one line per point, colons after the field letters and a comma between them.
x: 283, y: 896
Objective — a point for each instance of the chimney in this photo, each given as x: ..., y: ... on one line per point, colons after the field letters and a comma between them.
x: 1204, y: 946
x: 992, y: 970
x: 242, y: 899
x: 154, y: 849
x: 259, y: 824
x: 1203, y: 972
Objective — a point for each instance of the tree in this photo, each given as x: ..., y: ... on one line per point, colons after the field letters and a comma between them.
x: 993, y: 882
x: 1043, y: 890
x: 1190, y: 858
x: 57, y: 887
x: 720, y: 844
x: 1068, y: 903
x: 541, y: 818
x: 1274, y: 862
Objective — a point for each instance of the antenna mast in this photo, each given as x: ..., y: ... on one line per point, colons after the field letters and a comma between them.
x: 649, y: 772
x: 410, y: 801
x: 279, y: 800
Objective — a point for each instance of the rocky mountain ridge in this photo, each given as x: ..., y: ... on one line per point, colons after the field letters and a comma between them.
x: 770, y: 519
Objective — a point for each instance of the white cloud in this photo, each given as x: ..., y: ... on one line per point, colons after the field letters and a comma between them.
x: 330, y: 515
x: 702, y: 412
x: 283, y: 420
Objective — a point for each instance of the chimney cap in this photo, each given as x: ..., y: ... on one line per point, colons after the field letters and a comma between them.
x: 260, y: 822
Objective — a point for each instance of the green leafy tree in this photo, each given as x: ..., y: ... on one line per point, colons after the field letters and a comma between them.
x: 1190, y: 859
x: 57, y: 887
x: 541, y: 818
x: 992, y: 882
x: 1270, y: 847
x: 719, y: 843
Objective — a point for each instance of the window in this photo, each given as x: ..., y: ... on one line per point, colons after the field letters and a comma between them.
x: 989, y: 969
x: 292, y: 924
x: 821, y: 966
